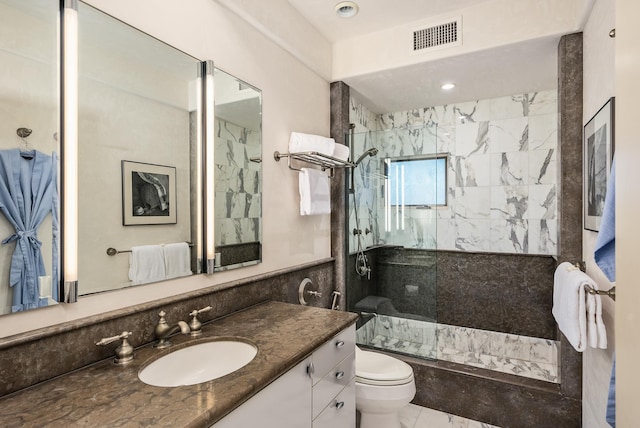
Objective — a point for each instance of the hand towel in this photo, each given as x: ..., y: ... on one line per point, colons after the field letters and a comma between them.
x: 341, y: 152
x: 146, y: 264
x: 314, y: 191
x: 605, y: 248
x: 177, y: 260
x: 570, y: 304
x: 299, y: 142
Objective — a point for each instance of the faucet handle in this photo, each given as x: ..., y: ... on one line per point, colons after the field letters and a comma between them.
x: 195, y: 325
x: 124, y: 352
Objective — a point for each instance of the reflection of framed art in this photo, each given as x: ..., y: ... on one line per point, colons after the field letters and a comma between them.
x: 598, y: 146
x: 148, y: 194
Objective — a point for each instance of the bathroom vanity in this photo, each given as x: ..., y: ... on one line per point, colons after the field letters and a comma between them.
x: 304, y: 354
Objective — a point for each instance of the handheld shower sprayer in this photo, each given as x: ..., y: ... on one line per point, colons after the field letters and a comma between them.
x: 371, y: 152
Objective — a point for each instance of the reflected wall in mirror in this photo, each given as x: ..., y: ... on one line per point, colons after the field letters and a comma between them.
x: 137, y: 103
x: 28, y: 192
x: 238, y: 156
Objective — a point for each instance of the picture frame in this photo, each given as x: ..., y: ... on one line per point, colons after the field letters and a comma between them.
x: 598, y: 147
x: 148, y: 194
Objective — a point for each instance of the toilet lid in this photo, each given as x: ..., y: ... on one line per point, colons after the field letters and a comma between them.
x: 379, y: 369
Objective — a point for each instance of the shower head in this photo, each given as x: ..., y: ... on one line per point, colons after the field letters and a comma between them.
x: 371, y: 152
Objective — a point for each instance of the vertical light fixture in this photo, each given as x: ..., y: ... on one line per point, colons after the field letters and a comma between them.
x: 69, y: 148
x: 209, y: 168
x: 200, y: 167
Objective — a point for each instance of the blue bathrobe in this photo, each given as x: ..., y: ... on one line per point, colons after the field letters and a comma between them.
x: 28, y: 193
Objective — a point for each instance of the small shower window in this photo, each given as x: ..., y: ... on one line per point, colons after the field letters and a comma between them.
x: 418, y: 181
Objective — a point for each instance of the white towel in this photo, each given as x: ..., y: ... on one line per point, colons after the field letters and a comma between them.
x: 595, y: 324
x: 177, y: 259
x: 341, y: 152
x: 146, y: 264
x: 315, y: 196
x: 575, y: 310
x: 299, y: 142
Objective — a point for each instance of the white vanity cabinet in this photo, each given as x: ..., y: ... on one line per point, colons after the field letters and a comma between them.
x: 282, y: 404
x: 319, y: 392
x: 333, y: 374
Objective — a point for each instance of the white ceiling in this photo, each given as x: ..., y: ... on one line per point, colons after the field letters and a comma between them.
x: 512, y: 69
x: 374, y: 15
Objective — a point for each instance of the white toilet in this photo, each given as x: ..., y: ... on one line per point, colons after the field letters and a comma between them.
x: 384, y: 385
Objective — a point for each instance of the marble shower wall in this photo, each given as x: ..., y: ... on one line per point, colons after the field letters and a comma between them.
x: 502, y: 175
x: 237, y: 184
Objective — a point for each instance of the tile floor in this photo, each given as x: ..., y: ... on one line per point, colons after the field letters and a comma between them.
x: 413, y: 416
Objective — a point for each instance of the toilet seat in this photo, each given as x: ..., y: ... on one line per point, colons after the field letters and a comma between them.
x: 373, y: 368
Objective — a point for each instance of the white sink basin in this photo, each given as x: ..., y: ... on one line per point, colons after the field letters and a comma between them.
x: 198, y: 363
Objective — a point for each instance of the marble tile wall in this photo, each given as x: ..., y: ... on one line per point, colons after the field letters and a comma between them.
x: 524, y: 356
x: 237, y: 184
x: 502, y: 175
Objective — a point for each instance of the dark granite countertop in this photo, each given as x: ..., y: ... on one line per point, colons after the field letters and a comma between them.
x: 104, y: 394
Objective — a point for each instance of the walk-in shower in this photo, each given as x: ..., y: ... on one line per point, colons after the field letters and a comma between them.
x: 397, y: 299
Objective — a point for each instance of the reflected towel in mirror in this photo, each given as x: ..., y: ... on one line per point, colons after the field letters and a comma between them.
x: 146, y: 264
x: 177, y: 258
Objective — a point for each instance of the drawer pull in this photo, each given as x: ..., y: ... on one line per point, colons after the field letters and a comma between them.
x: 339, y: 405
x: 339, y: 343
x: 311, y: 369
x: 339, y: 375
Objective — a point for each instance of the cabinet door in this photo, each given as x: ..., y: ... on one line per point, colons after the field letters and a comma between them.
x: 341, y: 411
x: 285, y: 403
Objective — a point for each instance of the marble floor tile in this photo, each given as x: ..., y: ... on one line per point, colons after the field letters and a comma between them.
x: 412, y: 416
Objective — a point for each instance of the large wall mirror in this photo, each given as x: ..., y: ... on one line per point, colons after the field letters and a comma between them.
x: 238, y: 157
x: 137, y: 104
x: 139, y: 155
x: 28, y: 100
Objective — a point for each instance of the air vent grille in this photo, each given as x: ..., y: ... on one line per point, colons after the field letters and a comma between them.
x: 438, y: 35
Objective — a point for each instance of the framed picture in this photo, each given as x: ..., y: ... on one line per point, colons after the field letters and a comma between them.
x: 148, y: 194
x: 598, y: 153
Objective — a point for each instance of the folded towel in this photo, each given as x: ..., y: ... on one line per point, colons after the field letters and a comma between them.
x: 595, y: 325
x: 146, y: 264
x: 314, y: 191
x: 311, y: 143
x: 570, y: 305
x: 605, y: 248
x: 177, y: 259
x: 341, y: 152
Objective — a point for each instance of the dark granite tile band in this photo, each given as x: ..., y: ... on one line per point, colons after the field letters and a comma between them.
x: 62, y: 348
x: 509, y: 293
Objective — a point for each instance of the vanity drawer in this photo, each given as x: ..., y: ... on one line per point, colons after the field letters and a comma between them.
x: 332, y: 353
x: 332, y: 383
x: 341, y: 411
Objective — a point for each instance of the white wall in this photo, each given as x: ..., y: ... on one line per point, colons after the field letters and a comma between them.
x: 599, y: 86
x: 486, y: 25
x: 294, y: 99
x: 627, y: 209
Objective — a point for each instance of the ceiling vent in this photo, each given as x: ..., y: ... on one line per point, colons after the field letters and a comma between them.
x: 444, y: 34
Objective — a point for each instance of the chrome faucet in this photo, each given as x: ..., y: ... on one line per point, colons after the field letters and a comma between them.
x: 163, y: 330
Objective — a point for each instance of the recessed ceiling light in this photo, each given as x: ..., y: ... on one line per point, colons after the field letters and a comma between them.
x: 448, y: 86
x: 346, y: 9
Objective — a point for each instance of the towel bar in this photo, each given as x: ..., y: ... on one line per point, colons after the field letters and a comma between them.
x: 315, y: 158
x: 611, y: 292
x: 112, y: 251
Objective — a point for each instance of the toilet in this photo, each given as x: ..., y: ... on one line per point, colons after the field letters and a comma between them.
x: 384, y: 385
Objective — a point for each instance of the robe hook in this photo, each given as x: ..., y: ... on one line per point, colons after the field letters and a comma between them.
x: 23, y: 132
